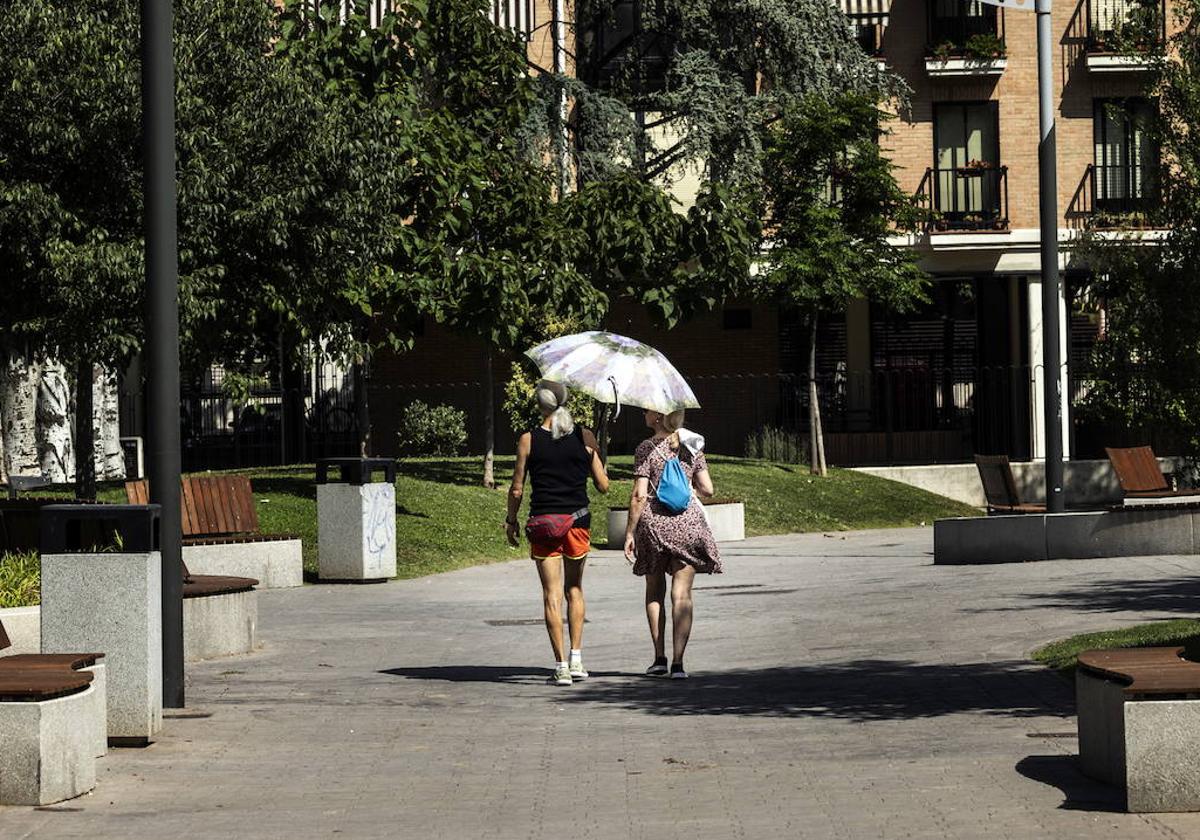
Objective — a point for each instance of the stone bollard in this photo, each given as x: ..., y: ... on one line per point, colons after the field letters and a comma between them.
x: 356, y: 520
x: 101, y: 598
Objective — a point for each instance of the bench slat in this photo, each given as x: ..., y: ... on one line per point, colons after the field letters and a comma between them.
x: 1145, y: 671
x: 41, y: 684
x: 37, y: 661
x: 201, y: 585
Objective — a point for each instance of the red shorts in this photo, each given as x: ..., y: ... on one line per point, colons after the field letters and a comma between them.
x: 574, y: 546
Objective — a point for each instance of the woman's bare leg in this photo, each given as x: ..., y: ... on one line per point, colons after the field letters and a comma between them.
x: 656, y: 615
x: 550, y: 571
x: 681, y: 609
x: 576, y: 608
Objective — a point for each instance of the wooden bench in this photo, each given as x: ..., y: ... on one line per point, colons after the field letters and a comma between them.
x: 1139, y: 725
x: 222, y: 537
x: 1142, y: 480
x: 1000, y: 488
x: 53, y: 712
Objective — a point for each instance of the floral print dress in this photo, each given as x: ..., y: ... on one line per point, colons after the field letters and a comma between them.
x: 662, y: 537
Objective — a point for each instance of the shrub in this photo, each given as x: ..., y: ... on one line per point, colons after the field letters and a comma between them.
x: 521, y: 409
x: 770, y: 443
x: 20, y: 580
x: 432, y: 430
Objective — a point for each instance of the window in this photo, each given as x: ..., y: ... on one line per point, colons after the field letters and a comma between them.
x: 1126, y: 160
x: 968, y: 180
x: 952, y: 23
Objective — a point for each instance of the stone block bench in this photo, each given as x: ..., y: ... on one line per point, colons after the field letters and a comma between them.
x: 221, y: 533
x: 52, y: 725
x: 1139, y: 725
x: 727, y: 518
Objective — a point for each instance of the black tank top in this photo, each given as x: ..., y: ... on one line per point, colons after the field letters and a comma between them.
x: 558, y: 470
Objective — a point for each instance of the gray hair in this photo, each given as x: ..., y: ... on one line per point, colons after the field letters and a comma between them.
x: 552, y: 401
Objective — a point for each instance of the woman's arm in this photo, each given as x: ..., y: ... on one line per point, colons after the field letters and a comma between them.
x: 517, y: 490
x: 702, y: 481
x: 637, y: 504
x: 599, y: 474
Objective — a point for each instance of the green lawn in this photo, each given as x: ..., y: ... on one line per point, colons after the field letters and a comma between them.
x: 445, y: 520
x: 1062, y: 655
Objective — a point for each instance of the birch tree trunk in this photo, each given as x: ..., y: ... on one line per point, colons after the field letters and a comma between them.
x: 816, y: 436
x: 106, y: 421
x: 85, y: 438
x: 18, y: 413
x: 56, y: 452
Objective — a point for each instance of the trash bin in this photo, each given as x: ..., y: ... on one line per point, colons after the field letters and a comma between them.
x: 356, y: 519
x: 102, y: 593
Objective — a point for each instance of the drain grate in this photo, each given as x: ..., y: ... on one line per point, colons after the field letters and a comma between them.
x: 734, y: 586
x: 760, y: 592
x: 520, y: 622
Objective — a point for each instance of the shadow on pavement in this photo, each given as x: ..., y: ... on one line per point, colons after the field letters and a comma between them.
x: 1172, y: 594
x: 484, y: 673
x: 1079, y: 792
x: 864, y: 690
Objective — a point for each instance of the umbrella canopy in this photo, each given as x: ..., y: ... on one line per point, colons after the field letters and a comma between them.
x: 614, y: 369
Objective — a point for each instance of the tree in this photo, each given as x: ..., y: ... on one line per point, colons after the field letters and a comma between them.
x: 1146, y: 364
x: 832, y: 201
x: 277, y: 179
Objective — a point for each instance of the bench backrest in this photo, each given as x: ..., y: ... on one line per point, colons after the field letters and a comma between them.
x: 210, y: 505
x: 995, y: 474
x: 1137, y: 469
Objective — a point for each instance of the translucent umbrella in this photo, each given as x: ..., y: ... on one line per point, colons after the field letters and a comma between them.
x: 614, y: 369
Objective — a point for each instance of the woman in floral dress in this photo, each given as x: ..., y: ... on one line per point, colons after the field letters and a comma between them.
x: 660, y: 543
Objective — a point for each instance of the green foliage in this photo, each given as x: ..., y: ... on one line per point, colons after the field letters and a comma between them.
x: 832, y: 202
x: 20, y: 580
x: 432, y: 430
x: 984, y: 46
x: 771, y: 443
x: 519, y: 405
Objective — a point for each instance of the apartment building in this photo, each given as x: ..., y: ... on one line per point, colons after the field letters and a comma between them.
x: 962, y: 374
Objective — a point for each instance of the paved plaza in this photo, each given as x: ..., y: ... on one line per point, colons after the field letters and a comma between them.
x: 843, y: 687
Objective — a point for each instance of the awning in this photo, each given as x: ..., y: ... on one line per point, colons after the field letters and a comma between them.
x: 875, y: 10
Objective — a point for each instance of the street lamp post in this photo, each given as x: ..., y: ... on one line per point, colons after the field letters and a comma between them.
x: 162, y: 325
x: 1048, y: 235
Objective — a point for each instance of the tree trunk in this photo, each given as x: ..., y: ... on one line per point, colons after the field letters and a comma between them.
x: 362, y: 413
x: 18, y: 410
x: 489, y: 420
x: 106, y: 423
x: 816, y: 437
x: 85, y: 438
x: 55, y: 450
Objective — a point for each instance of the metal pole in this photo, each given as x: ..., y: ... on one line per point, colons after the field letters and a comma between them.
x: 162, y: 325
x: 1048, y: 218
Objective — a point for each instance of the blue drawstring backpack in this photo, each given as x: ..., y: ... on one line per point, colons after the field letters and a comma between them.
x: 674, y: 491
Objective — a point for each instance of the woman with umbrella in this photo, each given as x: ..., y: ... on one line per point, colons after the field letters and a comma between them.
x: 667, y: 531
x: 558, y: 456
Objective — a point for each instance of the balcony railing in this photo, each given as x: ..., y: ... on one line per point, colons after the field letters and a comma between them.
x: 1120, y: 197
x: 972, y: 197
x: 961, y: 35
x: 1115, y: 25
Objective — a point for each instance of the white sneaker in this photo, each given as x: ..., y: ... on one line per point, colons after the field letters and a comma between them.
x: 562, y: 676
x: 576, y: 669
x: 677, y: 672
x: 658, y: 669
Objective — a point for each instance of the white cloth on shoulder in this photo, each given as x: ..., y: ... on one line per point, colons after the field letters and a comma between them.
x: 693, y: 442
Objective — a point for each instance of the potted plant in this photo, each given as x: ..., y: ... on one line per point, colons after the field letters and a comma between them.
x: 944, y: 51
x: 984, y: 47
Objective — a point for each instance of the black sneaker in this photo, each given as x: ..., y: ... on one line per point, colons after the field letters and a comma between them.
x: 658, y: 669
x: 677, y: 672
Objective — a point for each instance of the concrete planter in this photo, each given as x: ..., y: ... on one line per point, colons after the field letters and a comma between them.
x: 275, y: 564
x: 220, y: 625
x: 727, y: 520
x: 24, y: 627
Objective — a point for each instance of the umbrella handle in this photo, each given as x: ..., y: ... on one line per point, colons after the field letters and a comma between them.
x: 616, y: 398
